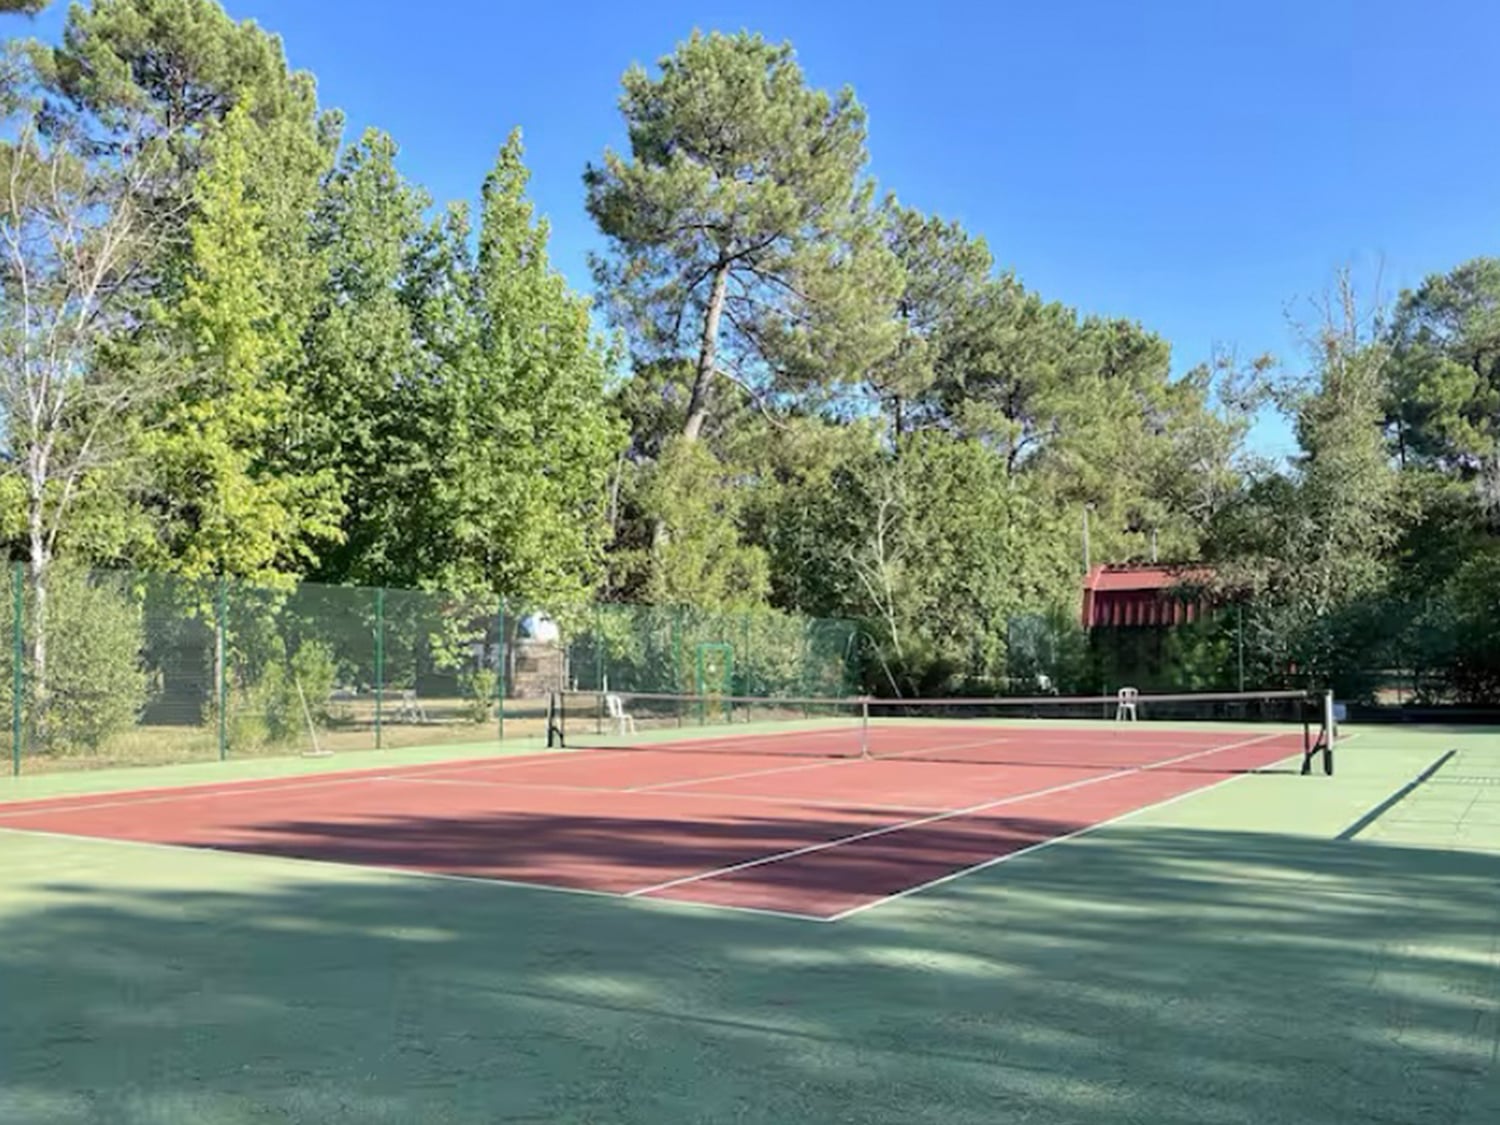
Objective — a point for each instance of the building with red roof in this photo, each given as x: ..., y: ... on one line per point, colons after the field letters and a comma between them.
x: 1123, y: 595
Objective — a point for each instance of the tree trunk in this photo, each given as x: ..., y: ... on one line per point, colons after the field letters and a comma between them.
x: 41, y: 563
x: 708, y: 352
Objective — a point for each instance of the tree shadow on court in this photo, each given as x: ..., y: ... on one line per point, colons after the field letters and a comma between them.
x: 1168, y: 976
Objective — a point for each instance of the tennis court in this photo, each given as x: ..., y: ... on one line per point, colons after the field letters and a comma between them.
x: 488, y: 936
x: 820, y: 812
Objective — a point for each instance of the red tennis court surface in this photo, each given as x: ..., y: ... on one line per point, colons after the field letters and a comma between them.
x: 735, y: 824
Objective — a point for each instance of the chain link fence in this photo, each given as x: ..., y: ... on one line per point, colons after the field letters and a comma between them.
x: 122, y: 668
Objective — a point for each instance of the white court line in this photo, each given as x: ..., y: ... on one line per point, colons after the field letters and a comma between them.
x: 749, y: 738
x: 851, y: 805
x: 819, y: 765
x: 409, y: 873
x: 808, y: 849
x: 243, y: 787
x: 1038, y: 846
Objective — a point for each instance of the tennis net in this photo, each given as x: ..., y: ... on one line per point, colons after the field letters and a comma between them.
x: 1090, y: 731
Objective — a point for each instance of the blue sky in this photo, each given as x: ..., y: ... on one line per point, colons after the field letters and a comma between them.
x: 1201, y: 167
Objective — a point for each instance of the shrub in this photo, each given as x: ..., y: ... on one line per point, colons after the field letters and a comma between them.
x: 273, y: 710
x: 96, y: 685
x: 479, y: 689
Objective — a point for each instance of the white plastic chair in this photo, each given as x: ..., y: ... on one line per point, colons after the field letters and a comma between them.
x: 1125, y: 704
x: 620, y: 719
x: 411, y: 709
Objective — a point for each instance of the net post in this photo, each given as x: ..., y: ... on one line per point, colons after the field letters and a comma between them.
x: 221, y: 662
x: 1308, y: 747
x: 1330, y: 730
x: 555, y: 721
x: 18, y: 664
x: 864, y: 726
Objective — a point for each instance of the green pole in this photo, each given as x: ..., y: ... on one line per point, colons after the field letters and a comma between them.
x: 599, y: 648
x: 677, y: 656
x: 500, y: 671
x: 1239, y: 614
x: 18, y: 664
x: 221, y: 658
x: 804, y: 689
x: 379, y: 665
x: 699, y: 687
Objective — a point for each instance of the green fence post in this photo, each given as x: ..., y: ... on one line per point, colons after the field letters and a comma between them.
x: 804, y: 689
x: 379, y: 664
x: 599, y: 648
x: 1239, y: 613
x: 221, y: 661
x: 18, y: 664
x: 677, y: 676
x: 500, y: 670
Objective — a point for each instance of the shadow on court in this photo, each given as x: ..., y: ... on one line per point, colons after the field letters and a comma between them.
x: 1154, y: 975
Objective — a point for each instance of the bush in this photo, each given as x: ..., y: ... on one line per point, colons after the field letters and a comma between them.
x: 96, y: 685
x: 1470, y: 611
x: 479, y: 688
x: 273, y: 711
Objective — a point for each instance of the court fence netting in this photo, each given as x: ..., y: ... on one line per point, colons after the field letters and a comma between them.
x: 106, y: 668
x: 1107, y: 730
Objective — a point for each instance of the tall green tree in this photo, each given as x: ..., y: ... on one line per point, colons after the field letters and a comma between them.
x: 364, y: 373
x: 1443, y: 391
x: 240, y: 150
x: 231, y: 504
x: 476, y: 438
x: 740, y: 227
x: 946, y: 275
x: 1313, y: 550
x: 534, y: 440
x: 938, y: 549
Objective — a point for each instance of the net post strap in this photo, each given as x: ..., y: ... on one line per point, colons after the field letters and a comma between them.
x: 555, y: 724
x: 1322, y: 745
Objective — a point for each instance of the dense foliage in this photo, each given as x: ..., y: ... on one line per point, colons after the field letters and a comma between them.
x: 234, y: 343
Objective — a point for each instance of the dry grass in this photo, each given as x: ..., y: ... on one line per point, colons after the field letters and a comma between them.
x: 351, y: 727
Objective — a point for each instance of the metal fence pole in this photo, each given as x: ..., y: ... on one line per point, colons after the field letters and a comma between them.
x: 18, y: 664
x: 379, y: 665
x: 500, y: 671
x: 221, y: 662
x: 1239, y: 614
x: 599, y: 681
x: 677, y: 670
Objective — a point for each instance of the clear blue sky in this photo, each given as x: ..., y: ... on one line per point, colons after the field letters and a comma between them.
x: 1197, y: 165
